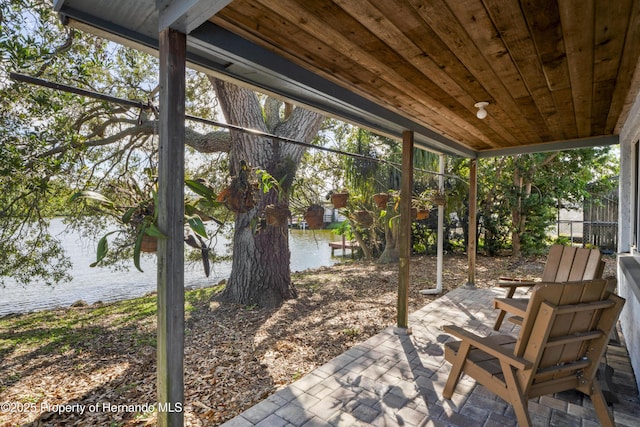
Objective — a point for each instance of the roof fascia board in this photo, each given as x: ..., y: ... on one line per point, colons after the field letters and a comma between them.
x: 186, y: 15
x: 110, y: 30
x: 571, y: 144
x: 57, y: 5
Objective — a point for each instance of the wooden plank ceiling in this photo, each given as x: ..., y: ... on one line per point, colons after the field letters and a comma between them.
x: 551, y: 70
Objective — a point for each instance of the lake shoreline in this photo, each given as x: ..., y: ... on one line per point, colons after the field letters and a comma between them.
x: 309, y: 249
x: 97, y: 304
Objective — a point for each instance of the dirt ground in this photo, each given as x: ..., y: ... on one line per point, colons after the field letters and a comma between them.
x: 235, y: 356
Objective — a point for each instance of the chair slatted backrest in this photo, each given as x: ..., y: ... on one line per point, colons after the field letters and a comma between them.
x: 564, y: 264
x: 568, y: 263
x: 565, y: 333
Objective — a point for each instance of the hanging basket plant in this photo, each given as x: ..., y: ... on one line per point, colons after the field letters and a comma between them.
x: 339, y: 200
x: 414, y: 213
x: 236, y: 200
x: 277, y: 215
x: 439, y: 199
x: 422, y: 213
x: 314, y: 216
x: 239, y: 196
x: 381, y: 200
x: 363, y: 218
x: 137, y: 219
x: 149, y: 244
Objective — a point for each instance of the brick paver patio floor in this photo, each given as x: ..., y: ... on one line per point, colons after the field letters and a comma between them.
x: 397, y: 380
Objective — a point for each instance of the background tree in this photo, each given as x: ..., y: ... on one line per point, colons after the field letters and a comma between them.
x: 364, y: 178
x: 518, y: 195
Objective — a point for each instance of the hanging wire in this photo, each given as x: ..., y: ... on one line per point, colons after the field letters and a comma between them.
x: 149, y: 106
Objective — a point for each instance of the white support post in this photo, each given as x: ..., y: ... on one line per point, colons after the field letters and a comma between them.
x: 439, y: 262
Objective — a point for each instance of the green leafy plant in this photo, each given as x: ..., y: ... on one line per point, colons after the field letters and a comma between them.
x: 426, y: 199
x: 139, y: 217
x: 268, y: 182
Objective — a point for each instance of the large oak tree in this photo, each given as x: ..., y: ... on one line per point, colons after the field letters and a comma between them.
x: 260, y: 272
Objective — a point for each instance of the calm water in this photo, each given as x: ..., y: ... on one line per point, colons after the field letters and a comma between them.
x: 308, y: 250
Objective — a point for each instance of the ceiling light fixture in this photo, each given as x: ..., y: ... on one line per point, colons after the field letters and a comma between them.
x: 482, y: 113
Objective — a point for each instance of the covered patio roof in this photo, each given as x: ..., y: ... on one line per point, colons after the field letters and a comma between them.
x: 556, y: 74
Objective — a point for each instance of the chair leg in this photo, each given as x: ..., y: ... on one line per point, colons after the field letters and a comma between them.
x: 600, y: 404
x: 499, y: 320
x: 510, y: 292
x: 456, y: 369
x: 522, y: 413
x: 518, y: 400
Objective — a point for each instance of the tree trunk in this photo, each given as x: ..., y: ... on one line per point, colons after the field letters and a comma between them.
x: 518, y: 214
x: 260, y: 272
x: 390, y: 253
x: 366, y: 250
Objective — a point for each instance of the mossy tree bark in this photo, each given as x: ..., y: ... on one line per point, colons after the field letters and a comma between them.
x: 260, y: 272
x: 390, y: 254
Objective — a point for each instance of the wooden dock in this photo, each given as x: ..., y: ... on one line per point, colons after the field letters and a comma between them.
x: 343, y: 246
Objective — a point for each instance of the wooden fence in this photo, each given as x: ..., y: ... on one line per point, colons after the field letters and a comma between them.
x: 600, y: 226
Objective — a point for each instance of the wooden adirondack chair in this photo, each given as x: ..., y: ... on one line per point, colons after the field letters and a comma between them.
x: 563, y: 337
x: 564, y: 264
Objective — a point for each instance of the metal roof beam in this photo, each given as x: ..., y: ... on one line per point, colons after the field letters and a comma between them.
x: 57, y: 5
x: 571, y: 144
x: 187, y: 15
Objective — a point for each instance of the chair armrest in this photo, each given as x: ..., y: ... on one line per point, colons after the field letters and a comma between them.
x: 517, y: 306
x: 485, y: 344
x: 510, y: 282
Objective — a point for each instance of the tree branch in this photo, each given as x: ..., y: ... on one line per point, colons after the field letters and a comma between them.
x: 212, y: 142
x: 550, y: 158
x: 272, y: 113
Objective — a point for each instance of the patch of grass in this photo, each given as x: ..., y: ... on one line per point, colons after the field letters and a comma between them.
x: 81, y: 328
x: 311, y: 285
x: 198, y: 297
x: 32, y: 398
x: 333, y: 225
x: 351, y: 332
x: 142, y: 340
